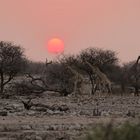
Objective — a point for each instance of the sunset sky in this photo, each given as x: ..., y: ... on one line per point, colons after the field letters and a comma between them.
x: 110, y: 24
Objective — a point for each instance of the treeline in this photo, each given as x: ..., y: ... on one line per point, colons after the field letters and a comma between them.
x: 125, y: 78
x: 54, y: 76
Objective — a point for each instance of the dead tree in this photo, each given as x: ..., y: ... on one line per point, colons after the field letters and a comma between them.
x: 39, y: 84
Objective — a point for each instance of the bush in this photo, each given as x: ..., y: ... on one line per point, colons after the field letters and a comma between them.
x: 12, y: 61
x: 125, y: 132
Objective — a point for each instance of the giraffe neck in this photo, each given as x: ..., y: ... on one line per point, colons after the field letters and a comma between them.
x: 100, y: 74
x: 138, y: 60
x: 72, y: 70
x: 135, y: 65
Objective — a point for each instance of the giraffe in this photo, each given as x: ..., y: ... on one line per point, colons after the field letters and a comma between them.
x: 102, y: 80
x: 78, y: 80
x: 135, y: 75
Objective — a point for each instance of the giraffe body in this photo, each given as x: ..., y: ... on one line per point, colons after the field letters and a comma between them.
x: 77, y: 80
x: 102, y: 81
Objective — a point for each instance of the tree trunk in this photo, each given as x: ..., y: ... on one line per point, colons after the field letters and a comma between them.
x: 122, y: 88
x: 92, y: 85
x: 2, y: 83
x: 136, y: 86
x: 136, y: 91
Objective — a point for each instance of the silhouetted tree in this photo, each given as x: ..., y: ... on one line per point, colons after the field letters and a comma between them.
x: 11, y: 62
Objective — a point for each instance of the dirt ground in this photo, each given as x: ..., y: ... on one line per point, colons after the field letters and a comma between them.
x: 53, y: 117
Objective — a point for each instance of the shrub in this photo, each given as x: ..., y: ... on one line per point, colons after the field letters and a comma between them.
x: 125, y: 132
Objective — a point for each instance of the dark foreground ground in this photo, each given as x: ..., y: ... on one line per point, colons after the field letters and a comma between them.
x: 63, y: 118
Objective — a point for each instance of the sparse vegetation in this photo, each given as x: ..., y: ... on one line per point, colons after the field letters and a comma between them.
x: 56, y: 77
x: 125, y: 132
x: 42, y: 90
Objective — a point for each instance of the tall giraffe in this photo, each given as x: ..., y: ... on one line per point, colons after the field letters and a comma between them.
x: 104, y: 82
x: 77, y: 79
x: 136, y: 75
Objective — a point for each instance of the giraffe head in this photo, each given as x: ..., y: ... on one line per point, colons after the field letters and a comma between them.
x: 138, y: 59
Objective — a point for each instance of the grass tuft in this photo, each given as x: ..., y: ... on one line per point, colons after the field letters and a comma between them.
x: 125, y: 132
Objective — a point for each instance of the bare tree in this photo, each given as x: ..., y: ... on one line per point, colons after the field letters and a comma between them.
x: 33, y: 83
x: 11, y: 62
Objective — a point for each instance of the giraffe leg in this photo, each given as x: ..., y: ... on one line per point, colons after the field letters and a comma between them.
x: 109, y: 90
x: 79, y: 86
x: 95, y: 89
x: 75, y: 88
x: 102, y: 88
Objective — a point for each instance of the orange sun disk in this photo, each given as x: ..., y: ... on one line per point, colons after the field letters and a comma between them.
x: 55, y: 45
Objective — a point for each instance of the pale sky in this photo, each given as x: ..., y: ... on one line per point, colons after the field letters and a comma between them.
x: 110, y: 24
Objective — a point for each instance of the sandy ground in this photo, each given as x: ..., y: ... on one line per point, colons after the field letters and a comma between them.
x: 41, y: 123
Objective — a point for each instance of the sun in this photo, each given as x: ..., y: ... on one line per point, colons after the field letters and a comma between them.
x: 55, y: 46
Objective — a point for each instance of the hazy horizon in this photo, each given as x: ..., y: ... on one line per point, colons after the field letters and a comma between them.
x: 109, y: 24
